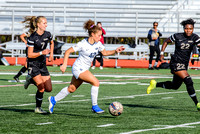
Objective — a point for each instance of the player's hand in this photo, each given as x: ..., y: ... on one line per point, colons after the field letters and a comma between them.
x: 161, y: 58
x: 50, y: 58
x: 120, y: 49
x: 63, y: 68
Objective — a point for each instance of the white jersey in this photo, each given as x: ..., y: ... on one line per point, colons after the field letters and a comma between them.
x: 87, y: 52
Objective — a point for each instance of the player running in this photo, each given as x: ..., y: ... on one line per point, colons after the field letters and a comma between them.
x: 184, y: 43
x: 37, y: 51
x: 88, y: 48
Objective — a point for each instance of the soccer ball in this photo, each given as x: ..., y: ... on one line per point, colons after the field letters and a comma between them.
x: 115, y: 108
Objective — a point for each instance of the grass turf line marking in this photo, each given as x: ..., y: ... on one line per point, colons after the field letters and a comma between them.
x: 106, y: 125
x: 106, y: 98
x: 162, y: 128
x: 44, y: 123
x: 165, y: 98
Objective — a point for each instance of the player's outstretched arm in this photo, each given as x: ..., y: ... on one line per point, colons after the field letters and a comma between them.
x: 111, y: 52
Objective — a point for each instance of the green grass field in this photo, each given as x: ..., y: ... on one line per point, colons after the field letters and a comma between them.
x: 161, y: 112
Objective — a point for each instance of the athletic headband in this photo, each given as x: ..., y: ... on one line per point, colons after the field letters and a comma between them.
x: 92, y: 26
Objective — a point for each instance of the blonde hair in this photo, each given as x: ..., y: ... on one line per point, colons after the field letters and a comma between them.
x: 91, y: 27
x: 31, y: 23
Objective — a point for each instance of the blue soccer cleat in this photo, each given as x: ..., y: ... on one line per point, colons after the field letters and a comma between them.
x: 52, y: 103
x: 97, y: 109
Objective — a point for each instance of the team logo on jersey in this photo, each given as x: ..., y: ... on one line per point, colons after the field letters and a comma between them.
x: 190, y: 41
x: 45, y: 39
x: 81, y: 69
x: 96, y: 48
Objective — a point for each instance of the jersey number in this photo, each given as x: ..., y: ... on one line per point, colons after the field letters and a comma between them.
x: 185, y: 46
x: 92, y: 55
x: 180, y: 66
x: 42, y: 43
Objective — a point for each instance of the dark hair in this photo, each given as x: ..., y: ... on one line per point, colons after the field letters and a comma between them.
x: 31, y: 22
x: 98, y: 22
x: 188, y: 21
x: 155, y: 22
x: 91, y: 27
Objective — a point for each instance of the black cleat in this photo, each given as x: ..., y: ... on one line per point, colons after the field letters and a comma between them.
x: 16, y: 79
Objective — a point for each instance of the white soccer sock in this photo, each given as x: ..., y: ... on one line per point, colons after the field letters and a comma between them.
x: 156, y: 63
x: 150, y: 65
x: 62, y: 94
x: 94, y: 95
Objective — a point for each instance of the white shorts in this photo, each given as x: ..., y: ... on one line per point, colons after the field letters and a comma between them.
x: 77, y: 70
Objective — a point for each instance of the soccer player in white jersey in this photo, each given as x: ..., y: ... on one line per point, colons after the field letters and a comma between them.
x: 88, y: 48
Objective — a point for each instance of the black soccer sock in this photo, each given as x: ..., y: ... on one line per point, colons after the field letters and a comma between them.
x: 39, y: 97
x: 190, y: 89
x: 22, y: 70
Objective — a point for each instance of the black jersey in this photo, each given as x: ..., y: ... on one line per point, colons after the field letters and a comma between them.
x: 39, y: 42
x: 184, y: 46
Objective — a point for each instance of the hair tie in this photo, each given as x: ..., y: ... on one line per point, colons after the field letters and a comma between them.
x: 92, y: 26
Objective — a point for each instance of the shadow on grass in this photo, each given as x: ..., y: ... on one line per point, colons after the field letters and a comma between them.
x: 156, y: 107
x: 20, y: 110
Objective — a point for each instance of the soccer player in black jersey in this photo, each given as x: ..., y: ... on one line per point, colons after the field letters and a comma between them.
x: 184, y: 43
x: 37, y: 51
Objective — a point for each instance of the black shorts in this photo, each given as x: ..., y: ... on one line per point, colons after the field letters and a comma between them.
x: 37, y: 67
x: 175, y: 66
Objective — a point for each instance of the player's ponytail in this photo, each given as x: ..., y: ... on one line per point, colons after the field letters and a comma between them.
x: 91, y: 27
x: 31, y: 23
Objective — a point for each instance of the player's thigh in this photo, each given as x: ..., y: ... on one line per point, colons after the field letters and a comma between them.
x: 88, y: 77
x: 75, y: 83
x: 182, y: 74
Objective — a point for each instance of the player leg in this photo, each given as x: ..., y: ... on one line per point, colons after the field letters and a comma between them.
x: 151, y: 57
x: 88, y: 77
x: 22, y: 70
x: 189, y: 85
x: 174, y: 84
x: 94, y: 63
x: 157, y: 49
x: 75, y: 83
x: 101, y: 61
x: 39, y: 94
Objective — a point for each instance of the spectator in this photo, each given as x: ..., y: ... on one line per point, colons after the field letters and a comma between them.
x: 99, y: 57
x: 154, y: 40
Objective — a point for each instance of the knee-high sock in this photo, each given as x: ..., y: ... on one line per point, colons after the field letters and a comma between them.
x: 39, y: 98
x: 62, y: 94
x: 94, y: 95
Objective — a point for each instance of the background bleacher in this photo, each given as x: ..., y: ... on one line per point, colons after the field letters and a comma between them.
x: 121, y: 19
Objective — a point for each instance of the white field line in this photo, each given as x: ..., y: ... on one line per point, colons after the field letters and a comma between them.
x: 105, y: 98
x: 44, y: 123
x: 162, y: 128
x: 106, y: 125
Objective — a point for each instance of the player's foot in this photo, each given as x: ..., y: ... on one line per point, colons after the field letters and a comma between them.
x: 39, y: 110
x: 101, y: 68
x: 151, y: 86
x: 93, y: 67
x: 97, y: 109
x: 52, y: 103
x: 151, y: 68
x: 27, y: 82
x: 198, y: 106
x: 16, y: 79
x: 156, y: 68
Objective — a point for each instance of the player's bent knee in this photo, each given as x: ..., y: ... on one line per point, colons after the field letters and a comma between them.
x: 188, y: 81
x: 48, y: 89
x: 96, y: 83
x: 71, y: 89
